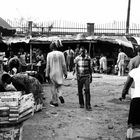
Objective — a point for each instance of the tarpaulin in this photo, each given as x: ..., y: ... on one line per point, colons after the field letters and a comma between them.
x: 120, y: 40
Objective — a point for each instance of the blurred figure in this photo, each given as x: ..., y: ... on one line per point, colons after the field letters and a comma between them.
x: 77, y: 51
x: 55, y: 71
x: 14, y: 62
x: 69, y: 59
x: 95, y: 65
x: 103, y: 64
x: 22, y: 58
x: 41, y: 65
x: 5, y: 64
x: 134, y: 115
x: 34, y: 55
x: 122, y: 57
x: 135, y: 61
x: 40, y: 58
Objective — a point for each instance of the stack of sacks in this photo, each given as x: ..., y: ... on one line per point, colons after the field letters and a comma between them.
x: 9, y: 102
x: 15, y: 107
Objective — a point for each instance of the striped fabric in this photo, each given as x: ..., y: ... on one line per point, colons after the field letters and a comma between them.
x: 83, y: 65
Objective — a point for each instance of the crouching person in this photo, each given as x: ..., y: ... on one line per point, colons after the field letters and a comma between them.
x: 25, y: 83
x: 133, y: 131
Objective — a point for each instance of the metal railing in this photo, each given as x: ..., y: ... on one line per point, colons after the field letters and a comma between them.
x: 69, y: 28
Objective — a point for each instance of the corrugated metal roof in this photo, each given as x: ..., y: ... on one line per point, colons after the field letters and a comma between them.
x: 120, y: 40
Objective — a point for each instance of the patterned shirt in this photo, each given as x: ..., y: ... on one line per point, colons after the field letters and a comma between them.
x: 83, y: 65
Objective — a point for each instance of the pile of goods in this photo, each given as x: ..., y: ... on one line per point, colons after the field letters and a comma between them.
x: 15, y: 107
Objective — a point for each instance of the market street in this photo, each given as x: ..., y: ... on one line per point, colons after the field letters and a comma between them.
x: 107, y: 120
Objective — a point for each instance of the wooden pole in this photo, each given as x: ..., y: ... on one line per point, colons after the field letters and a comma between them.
x: 128, y: 17
x: 89, y: 48
x: 31, y: 53
x: 30, y: 35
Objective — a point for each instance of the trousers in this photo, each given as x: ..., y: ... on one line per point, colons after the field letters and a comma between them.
x: 56, y: 91
x: 84, y: 81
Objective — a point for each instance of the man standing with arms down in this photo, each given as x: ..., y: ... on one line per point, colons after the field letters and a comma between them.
x: 84, y: 78
x: 55, y: 70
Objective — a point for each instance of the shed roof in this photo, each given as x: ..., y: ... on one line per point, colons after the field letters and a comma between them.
x: 120, y: 40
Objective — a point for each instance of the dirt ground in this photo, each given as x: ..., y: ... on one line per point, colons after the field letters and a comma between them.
x: 107, y: 120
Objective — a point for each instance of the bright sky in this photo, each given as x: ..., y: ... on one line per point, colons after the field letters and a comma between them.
x: 95, y: 11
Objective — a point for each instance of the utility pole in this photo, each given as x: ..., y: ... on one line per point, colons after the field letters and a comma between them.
x: 128, y: 17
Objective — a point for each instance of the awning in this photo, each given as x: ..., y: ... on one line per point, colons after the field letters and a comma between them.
x: 137, y: 39
x: 10, y: 40
x: 120, y: 40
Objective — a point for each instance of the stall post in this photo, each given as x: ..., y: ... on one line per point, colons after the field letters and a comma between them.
x: 2, y: 54
x: 31, y: 54
x: 30, y: 35
x: 89, y: 48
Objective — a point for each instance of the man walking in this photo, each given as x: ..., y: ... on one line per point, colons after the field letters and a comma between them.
x: 55, y: 70
x: 69, y: 58
x: 84, y: 78
x: 122, y: 57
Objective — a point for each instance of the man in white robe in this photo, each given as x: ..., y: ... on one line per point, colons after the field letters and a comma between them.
x: 55, y: 71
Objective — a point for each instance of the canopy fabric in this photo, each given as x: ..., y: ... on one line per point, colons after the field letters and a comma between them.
x: 10, y: 40
x: 123, y: 41
x: 120, y: 40
x: 137, y: 39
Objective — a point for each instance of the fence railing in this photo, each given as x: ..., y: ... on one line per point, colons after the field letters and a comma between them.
x: 66, y: 28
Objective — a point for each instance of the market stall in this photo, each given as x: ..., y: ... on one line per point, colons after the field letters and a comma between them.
x: 95, y: 45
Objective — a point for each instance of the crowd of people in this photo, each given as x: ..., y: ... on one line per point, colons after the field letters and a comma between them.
x: 57, y: 65
x: 21, y: 61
